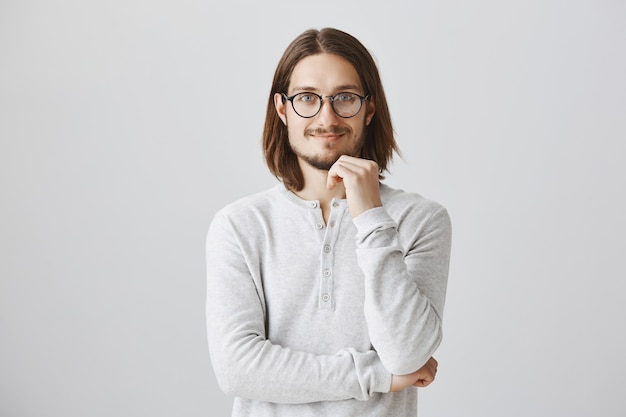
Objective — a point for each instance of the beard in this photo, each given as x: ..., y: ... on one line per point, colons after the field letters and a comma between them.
x: 320, y: 162
x: 324, y: 161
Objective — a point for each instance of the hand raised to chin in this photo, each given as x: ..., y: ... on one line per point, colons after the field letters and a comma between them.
x: 360, y: 179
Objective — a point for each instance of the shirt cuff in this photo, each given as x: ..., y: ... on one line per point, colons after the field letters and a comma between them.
x: 371, y: 220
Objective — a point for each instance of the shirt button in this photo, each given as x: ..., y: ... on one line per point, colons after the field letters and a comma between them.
x: 327, y: 272
x: 313, y: 204
x: 325, y: 298
x: 319, y: 226
x: 335, y: 204
x: 332, y: 224
x: 326, y: 248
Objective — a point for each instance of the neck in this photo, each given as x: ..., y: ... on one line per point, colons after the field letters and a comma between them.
x: 315, y: 188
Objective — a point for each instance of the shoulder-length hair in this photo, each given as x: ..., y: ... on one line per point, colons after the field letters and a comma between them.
x: 379, y: 143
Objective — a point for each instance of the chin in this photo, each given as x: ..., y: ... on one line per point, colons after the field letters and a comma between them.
x: 323, y: 164
x: 326, y: 158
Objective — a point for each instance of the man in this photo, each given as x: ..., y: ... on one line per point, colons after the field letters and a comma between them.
x: 325, y: 293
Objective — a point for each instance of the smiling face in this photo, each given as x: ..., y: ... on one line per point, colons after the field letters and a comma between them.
x: 320, y: 140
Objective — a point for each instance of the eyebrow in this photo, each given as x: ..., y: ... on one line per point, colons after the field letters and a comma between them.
x: 339, y: 88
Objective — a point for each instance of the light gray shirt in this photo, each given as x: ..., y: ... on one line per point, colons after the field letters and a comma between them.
x: 309, y: 319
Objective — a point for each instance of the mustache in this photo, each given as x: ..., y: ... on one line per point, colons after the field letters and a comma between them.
x: 333, y: 130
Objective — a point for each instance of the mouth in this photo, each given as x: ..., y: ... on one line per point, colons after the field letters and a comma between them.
x: 328, y: 137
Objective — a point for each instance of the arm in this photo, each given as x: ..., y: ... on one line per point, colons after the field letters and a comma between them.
x: 405, y: 292
x: 248, y: 365
x: 404, y: 288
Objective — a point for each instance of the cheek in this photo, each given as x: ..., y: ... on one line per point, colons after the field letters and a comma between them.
x: 296, y: 125
x: 294, y: 131
x: 359, y: 129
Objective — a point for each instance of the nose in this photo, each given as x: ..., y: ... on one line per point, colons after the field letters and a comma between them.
x: 327, y: 115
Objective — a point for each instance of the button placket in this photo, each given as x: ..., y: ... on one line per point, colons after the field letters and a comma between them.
x: 326, y: 282
x: 316, y: 217
x: 326, y: 295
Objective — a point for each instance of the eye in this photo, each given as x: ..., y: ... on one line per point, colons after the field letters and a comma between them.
x: 345, y: 97
x: 307, y: 97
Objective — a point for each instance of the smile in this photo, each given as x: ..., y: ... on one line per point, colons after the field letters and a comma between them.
x: 330, y: 137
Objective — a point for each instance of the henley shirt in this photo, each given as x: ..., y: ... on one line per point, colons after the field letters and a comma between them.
x: 307, y: 318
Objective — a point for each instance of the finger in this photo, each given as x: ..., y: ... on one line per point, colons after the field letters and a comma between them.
x: 363, y: 167
x: 355, y: 160
x: 346, y: 170
x: 356, y: 164
x: 332, y: 181
x: 423, y: 382
x: 432, y: 365
x: 337, y: 173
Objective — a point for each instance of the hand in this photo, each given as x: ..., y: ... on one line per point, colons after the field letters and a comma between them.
x: 360, y: 178
x: 420, y: 378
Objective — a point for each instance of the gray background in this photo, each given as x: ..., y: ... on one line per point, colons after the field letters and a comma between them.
x: 124, y: 126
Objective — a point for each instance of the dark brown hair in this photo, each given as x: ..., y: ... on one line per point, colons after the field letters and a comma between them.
x: 379, y: 143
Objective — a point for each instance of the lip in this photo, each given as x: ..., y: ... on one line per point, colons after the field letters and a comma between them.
x: 328, y: 138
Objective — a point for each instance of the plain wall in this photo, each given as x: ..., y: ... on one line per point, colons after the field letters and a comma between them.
x: 124, y: 126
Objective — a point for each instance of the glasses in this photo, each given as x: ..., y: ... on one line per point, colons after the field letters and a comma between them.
x: 308, y: 105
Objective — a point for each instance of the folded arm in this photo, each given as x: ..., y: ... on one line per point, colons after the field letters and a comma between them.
x: 249, y: 365
x: 404, y: 286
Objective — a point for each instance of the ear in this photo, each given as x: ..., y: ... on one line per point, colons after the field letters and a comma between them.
x: 280, y: 105
x: 370, y: 109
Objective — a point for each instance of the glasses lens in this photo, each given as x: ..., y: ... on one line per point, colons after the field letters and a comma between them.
x: 306, y: 104
x: 346, y: 104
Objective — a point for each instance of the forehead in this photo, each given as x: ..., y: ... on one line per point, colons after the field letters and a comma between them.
x: 325, y: 73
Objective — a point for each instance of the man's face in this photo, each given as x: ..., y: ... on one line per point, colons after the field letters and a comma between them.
x: 322, y: 139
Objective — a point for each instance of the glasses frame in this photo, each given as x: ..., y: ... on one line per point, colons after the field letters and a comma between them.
x: 332, y: 102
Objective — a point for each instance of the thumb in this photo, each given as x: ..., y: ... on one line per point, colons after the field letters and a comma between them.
x: 332, y: 181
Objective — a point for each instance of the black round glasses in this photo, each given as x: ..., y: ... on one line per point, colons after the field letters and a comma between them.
x: 308, y: 105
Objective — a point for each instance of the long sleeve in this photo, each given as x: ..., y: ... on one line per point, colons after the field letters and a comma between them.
x: 405, y: 282
x: 249, y: 365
